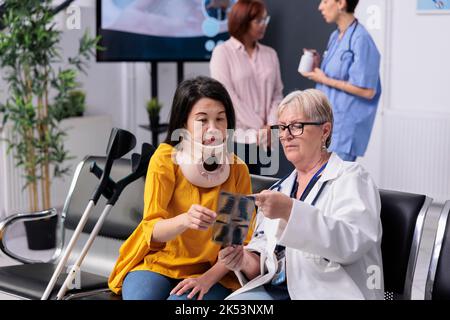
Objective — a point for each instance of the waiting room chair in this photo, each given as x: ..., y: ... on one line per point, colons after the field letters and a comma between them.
x: 260, y: 183
x: 29, y: 280
x: 437, y: 286
x: 402, y: 219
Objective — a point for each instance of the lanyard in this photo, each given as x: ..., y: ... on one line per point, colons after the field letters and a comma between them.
x: 279, y: 279
x: 309, y: 187
x: 314, y: 179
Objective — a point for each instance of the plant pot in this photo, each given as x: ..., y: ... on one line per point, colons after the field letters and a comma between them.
x: 41, y: 234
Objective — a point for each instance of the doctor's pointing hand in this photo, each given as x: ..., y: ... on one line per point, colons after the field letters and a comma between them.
x: 274, y: 204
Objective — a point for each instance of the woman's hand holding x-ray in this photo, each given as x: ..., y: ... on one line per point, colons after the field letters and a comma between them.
x: 232, y: 257
x: 199, y: 217
x: 237, y: 258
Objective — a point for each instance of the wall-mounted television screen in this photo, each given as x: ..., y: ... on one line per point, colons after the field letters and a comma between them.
x: 161, y: 30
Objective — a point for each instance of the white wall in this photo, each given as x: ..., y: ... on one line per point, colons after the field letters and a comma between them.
x: 410, y: 145
x: 416, y: 138
x: 373, y: 15
x: 420, y: 64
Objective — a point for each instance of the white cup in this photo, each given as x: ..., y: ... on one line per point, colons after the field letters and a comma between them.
x: 306, y: 62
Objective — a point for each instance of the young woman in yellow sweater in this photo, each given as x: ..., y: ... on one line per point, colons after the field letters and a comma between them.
x: 171, y: 254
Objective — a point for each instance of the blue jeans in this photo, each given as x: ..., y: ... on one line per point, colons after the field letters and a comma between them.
x: 148, y: 285
x: 346, y: 156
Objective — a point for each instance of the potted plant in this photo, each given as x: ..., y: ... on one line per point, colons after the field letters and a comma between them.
x: 75, y: 106
x: 153, y: 109
x: 38, y: 91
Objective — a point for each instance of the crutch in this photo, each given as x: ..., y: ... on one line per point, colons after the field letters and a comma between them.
x: 120, y: 143
x: 139, y: 169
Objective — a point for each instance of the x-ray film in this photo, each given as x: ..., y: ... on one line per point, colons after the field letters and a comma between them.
x: 234, y: 213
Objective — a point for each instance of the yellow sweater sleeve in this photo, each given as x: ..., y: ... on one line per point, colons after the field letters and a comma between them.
x: 159, y: 188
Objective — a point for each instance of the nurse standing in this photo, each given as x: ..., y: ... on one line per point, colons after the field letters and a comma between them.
x: 350, y: 77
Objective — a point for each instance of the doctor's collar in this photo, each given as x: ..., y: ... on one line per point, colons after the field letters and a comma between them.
x: 333, y: 168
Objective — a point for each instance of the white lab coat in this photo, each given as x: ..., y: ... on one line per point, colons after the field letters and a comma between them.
x: 333, y: 249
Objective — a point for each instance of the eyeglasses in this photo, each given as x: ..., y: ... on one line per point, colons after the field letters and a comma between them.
x: 295, y: 129
x: 263, y: 21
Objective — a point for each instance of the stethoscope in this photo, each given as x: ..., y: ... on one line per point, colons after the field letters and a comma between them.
x: 314, y: 179
x: 277, y: 187
x: 349, y: 52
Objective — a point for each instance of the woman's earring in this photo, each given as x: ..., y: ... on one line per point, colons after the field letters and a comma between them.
x: 324, y: 146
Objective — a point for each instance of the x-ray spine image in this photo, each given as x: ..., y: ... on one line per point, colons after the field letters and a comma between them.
x: 234, y: 215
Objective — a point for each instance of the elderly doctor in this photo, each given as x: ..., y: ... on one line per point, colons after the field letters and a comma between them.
x: 318, y: 232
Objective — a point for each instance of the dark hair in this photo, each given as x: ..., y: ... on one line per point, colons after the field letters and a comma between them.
x: 351, y: 5
x: 241, y: 14
x: 186, y: 96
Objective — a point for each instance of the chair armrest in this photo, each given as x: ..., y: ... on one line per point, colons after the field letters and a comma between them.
x: 22, y: 217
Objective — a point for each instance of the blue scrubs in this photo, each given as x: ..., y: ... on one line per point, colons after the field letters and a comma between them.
x: 354, y: 59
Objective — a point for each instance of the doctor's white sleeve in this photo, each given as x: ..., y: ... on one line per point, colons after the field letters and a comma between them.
x: 346, y: 230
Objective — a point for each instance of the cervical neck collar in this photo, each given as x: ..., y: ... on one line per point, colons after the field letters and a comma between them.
x: 205, y: 166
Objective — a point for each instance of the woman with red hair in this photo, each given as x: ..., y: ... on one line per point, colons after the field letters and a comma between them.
x: 250, y: 72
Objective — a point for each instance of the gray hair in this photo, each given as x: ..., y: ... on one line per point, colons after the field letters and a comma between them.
x: 313, y: 104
